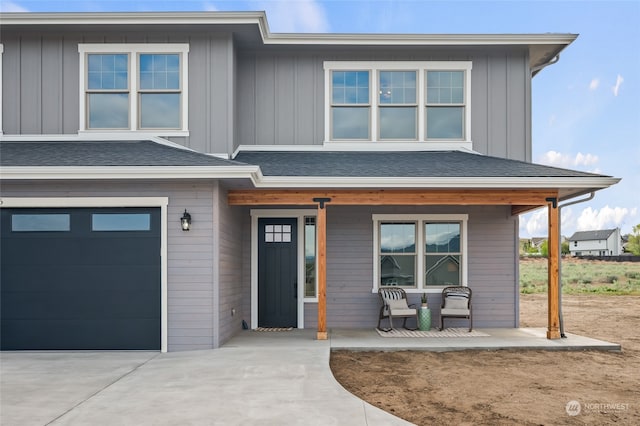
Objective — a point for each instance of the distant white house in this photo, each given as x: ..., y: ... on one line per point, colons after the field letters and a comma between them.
x: 606, y: 242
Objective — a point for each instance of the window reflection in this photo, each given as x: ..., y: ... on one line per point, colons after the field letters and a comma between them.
x: 45, y: 222
x: 309, y: 257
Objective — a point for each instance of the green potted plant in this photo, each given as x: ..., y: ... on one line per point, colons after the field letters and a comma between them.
x: 424, y: 300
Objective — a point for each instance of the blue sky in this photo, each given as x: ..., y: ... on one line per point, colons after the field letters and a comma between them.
x: 586, y: 113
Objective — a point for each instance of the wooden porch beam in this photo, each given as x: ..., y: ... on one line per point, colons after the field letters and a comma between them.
x: 517, y: 210
x: 402, y: 197
x: 321, y: 220
x: 553, y: 330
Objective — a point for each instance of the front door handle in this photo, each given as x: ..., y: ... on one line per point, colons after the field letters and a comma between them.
x: 295, y: 290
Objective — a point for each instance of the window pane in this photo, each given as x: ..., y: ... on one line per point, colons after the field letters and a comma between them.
x: 160, y: 110
x: 445, y: 87
x: 108, y: 72
x: 310, y: 257
x: 398, y: 123
x: 350, y: 87
x: 120, y: 222
x: 159, y: 72
x: 398, y: 238
x: 442, y: 269
x: 442, y: 237
x: 397, y: 87
x: 350, y: 123
x: 445, y: 122
x: 40, y: 222
x: 108, y: 110
x: 397, y: 270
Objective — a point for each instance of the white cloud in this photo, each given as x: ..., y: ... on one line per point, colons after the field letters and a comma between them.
x: 558, y: 159
x: 302, y: 16
x: 594, y: 84
x: 534, y: 224
x: 616, y: 88
x: 9, y: 6
x: 605, y: 218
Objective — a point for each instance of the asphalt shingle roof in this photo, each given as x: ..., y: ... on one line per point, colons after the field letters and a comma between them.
x: 276, y: 163
x: 396, y: 164
x: 601, y: 234
x: 102, y: 153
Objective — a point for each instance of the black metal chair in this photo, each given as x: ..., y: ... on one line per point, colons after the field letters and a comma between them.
x: 394, y: 305
x: 456, y: 303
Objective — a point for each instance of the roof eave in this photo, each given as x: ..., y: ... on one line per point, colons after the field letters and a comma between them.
x: 259, y: 18
x: 585, y: 183
x: 130, y: 172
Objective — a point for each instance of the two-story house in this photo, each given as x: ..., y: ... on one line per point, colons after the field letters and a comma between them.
x: 169, y: 176
x: 604, y: 242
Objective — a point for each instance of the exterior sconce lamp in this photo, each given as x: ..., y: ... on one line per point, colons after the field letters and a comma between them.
x: 185, y: 221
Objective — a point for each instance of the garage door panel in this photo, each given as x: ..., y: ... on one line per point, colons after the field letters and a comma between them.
x: 123, y: 251
x: 81, y: 278
x: 80, y: 289
x: 94, y: 334
x: 78, y: 305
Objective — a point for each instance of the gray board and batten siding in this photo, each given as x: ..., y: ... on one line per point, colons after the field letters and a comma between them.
x: 265, y: 95
x: 201, y: 289
x: 280, y: 99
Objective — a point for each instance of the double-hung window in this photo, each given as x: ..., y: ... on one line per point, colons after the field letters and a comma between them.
x: 134, y: 87
x: 420, y: 252
x: 398, y: 101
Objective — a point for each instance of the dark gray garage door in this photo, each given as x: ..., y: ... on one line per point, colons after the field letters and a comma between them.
x: 80, y: 279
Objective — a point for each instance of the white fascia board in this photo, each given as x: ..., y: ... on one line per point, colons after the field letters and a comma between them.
x: 132, y: 172
x: 260, y: 19
x: 431, y: 182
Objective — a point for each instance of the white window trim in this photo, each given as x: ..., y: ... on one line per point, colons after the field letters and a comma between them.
x: 161, y: 202
x: 1, y: 83
x: 419, y: 219
x: 133, y: 49
x: 421, y: 67
x: 298, y: 214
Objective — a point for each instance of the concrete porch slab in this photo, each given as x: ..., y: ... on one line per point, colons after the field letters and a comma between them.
x: 498, y: 338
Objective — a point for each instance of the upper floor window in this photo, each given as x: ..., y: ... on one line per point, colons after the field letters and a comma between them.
x: 398, y: 101
x: 134, y: 87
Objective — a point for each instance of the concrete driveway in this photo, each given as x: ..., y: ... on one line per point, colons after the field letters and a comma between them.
x: 254, y: 379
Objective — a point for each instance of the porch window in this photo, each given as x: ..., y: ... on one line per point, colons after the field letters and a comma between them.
x: 442, y: 253
x: 420, y: 252
x: 397, y: 257
x: 310, y: 283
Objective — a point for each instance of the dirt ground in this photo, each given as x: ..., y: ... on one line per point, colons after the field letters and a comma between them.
x: 509, y: 387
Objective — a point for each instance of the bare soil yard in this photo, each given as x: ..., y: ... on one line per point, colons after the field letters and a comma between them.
x: 512, y: 387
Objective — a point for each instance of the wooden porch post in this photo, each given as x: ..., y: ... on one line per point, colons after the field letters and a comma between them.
x: 322, y: 268
x: 553, y: 330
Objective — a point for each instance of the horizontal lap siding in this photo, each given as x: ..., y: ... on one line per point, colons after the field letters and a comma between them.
x: 230, y: 288
x: 493, y: 257
x: 190, y: 254
x: 492, y: 267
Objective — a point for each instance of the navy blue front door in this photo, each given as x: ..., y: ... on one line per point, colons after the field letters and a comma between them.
x: 277, y: 272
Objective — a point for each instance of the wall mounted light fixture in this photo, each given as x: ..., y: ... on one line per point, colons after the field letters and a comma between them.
x: 185, y: 221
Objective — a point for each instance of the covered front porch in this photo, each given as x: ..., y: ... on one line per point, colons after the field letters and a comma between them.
x: 331, y: 204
